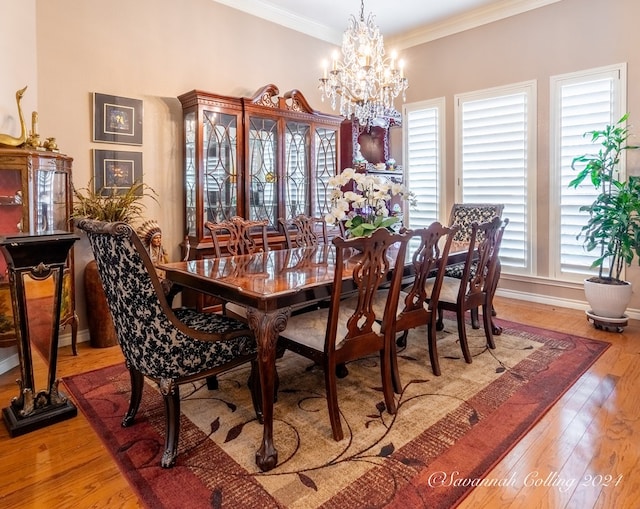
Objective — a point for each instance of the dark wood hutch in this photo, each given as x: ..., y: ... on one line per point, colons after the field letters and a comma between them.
x: 36, y: 199
x: 259, y: 157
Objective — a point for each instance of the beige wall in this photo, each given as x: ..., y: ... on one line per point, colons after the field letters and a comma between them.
x: 155, y: 50
x: 567, y: 36
x: 17, y: 69
x: 17, y: 62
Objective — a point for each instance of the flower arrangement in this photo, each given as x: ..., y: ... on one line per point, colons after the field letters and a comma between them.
x: 364, y: 209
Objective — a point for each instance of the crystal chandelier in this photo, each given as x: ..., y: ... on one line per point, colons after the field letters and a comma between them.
x: 366, y: 81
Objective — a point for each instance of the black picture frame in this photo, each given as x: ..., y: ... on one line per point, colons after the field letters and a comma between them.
x: 116, y: 171
x: 117, y: 119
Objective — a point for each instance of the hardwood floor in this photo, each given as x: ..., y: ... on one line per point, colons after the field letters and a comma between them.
x: 588, y: 437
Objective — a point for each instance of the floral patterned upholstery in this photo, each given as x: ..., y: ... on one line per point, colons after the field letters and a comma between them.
x: 150, y: 341
x: 464, y: 215
x: 170, y: 347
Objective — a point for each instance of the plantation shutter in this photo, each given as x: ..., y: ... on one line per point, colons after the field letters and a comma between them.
x: 494, y: 150
x: 586, y: 103
x: 423, y: 162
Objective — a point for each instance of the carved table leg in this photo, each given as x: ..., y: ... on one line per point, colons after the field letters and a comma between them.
x: 267, y: 327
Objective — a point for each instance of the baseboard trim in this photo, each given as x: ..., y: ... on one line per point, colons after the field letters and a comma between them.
x: 555, y: 301
x: 13, y: 360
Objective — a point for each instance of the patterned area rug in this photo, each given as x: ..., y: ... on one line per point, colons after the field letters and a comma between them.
x: 447, y: 434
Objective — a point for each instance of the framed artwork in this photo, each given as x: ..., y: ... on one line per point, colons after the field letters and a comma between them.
x: 117, y: 119
x: 116, y: 171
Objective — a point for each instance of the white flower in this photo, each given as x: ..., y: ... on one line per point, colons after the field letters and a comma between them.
x: 365, y: 203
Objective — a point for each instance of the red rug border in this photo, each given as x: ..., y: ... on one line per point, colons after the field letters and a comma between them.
x: 142, y: 486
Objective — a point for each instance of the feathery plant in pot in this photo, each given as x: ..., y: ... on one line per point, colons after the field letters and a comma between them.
x: 613, y: 227
x: 112, y: 206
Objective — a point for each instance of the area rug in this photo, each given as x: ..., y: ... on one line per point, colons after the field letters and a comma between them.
x: 448, y: 432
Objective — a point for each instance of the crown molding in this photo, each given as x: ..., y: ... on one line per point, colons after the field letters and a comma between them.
x: 472, y: 19
x: 286, y: 18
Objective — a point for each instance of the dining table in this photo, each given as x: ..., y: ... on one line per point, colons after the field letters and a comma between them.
x: 270, y: 284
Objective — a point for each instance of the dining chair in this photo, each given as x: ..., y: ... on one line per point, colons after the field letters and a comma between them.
x: 304, y: 231
x: 464, y: 215
x: 416, y: 305
x: 476, y: 286
x: 241, y: 238
x: 170, y: 347
x: 338, y: 334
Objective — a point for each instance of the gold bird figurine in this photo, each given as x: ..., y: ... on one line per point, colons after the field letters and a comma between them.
x: 12, y: 141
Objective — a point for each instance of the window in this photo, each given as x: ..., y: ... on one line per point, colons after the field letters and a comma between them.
x: 580, y: 102
x: 423, y: 128
x: 495, y: 163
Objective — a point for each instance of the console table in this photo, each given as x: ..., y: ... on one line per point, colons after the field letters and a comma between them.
x: 34, y: 261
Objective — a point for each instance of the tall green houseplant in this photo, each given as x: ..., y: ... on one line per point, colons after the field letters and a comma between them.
x: 613, y: 227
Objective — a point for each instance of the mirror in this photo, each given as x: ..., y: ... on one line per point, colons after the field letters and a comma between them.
x: 374, y: 144
x: 39, y: 300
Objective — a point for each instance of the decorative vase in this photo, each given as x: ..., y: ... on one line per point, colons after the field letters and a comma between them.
x: 102, y: 333
x: 606, y: 300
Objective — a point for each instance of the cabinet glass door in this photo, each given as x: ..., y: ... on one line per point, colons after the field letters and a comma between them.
x: 326, y: 165
x: 297, y: 169
x: 220, y: 172
x: 11, y: 202
x: 263, y: 172
x: 50, y: 201
x: 190, y: 182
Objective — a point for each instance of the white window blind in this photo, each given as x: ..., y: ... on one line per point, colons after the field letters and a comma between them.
x: 581, y: 102
x: 496, y: 147
x: 422, y: 123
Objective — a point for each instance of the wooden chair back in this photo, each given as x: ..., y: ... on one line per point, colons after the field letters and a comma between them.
x: 304, y: 231
x: 243, y: 236
x: 481, y: 262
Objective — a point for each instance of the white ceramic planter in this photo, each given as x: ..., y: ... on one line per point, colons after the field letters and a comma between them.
x: 609, y: 301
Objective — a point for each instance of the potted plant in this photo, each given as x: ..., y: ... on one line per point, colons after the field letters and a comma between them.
x: 613, y: 228
x: 109, y: 206
x: 363, y: 208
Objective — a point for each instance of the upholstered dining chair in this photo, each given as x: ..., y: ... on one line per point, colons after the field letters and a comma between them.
x: 304, y: 231
x: 464, y: 215
x: 476, y: 286
x: 417, y: 306
x: 336, y: 335
x: 170, y: 347
x: 241, y: 239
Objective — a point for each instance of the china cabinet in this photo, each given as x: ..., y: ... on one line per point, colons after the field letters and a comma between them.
x: 35, y: 199
x: 260, y: 157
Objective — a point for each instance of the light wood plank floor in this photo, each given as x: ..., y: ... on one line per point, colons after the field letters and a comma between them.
x: 588, y: 437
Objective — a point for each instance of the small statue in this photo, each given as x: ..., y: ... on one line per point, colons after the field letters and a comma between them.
x: 12, y: 141
x: 151, y: 236
x: 50, y: 144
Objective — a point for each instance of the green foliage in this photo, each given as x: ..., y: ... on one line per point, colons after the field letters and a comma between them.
x: 359, y: 227
x: 614, y: 221
x: 114, y: 206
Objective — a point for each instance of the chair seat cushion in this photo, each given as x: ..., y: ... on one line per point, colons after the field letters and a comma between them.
x: 190, y: 356
x: 449, y: 290
x: 310, y: 328
x: 456, y: 270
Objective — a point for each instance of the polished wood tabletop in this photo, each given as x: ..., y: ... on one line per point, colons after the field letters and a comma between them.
x: 268, y: 284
